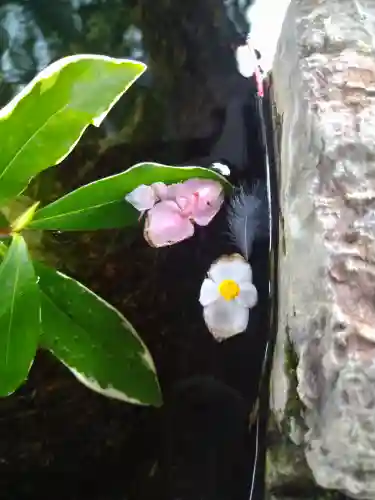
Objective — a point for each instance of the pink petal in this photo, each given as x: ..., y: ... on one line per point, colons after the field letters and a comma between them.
x: 172, y: 191
x: 184, y: 203
x: 203, y: 215
x: 210, y: 199
x: 160, y: 189
x: 210, y: 191
x: 188, y: 188
x: 204, y: 196
x: 200, y: 186
x: 187, y: 205
x: 142, y: 197
x: 165, y: 225
x: 164, y: 191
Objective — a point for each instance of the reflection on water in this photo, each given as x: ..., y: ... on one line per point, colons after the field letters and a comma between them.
x: 191, y: 107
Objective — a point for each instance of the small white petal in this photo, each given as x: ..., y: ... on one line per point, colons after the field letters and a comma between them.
x: 248, y: 296
x: 142, y: 197
x: 221, y: 168
x: 209, y: 292
x: 231, y: 267
x: 224, y: 319
x: 247, y: 61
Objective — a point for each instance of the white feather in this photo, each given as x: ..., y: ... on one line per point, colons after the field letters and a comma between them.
x: 247, y: 217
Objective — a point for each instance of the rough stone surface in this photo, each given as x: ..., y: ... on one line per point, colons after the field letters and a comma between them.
x: 324, y: 84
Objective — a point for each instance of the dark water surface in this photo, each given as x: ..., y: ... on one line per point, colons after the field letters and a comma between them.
x: 58, y: 439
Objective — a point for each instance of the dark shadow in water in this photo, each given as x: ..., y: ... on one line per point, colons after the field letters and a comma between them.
x: 59, y: 440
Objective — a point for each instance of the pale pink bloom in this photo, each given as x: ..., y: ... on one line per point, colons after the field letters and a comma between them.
x: 171, y: 221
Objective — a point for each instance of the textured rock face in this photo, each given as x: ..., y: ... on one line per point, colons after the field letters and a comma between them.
x: 324, y: 84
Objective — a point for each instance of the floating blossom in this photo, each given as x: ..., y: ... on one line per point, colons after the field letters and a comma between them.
x: 226, y: 295
x: 172, y: 220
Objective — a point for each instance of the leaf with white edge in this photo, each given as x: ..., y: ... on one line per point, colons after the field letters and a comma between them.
x: 98, y: 345
x: 19, y: 316
x: 101, y: 204
x: 41, y: 125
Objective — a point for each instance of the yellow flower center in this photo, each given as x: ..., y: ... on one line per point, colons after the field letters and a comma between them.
x: 229, y: 289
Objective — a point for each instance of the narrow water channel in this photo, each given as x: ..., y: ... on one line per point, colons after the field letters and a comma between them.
x: 192, y: 107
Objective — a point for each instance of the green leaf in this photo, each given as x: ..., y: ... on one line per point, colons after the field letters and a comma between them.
x: 95, y: 341
x: 19, y: 316
x: 101, y: 204
x: 25, y: 218
x: 43, y: 123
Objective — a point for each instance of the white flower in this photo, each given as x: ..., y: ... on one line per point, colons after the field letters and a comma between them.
x: 226, y: 295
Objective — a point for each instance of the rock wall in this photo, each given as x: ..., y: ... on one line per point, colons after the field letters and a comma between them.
x: 324, y: 93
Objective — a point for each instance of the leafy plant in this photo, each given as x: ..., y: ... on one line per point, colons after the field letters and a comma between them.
x: 40, y: 306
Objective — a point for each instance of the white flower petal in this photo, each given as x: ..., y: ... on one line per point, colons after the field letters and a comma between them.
x: 247, y: 61
x: 221, y: 168
x: 224, y: 319
x: 209, y: 292
x: 231, y: 267
x: 142, y: 197
x: 248, y: 296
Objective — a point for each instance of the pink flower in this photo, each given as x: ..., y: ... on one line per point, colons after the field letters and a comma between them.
x: 171, y: 220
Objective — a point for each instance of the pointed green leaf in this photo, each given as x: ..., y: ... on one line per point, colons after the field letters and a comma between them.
x: 43, y: 123
x: 101, y: 204
x: 95, y: 341
x: 19, y: 316
x: 25, y: 218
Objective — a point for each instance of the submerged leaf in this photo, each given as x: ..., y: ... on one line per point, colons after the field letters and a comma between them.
x: 43, y: 123
x: 101, y: 204
x: 19, y: 316
x: 98, y: 345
